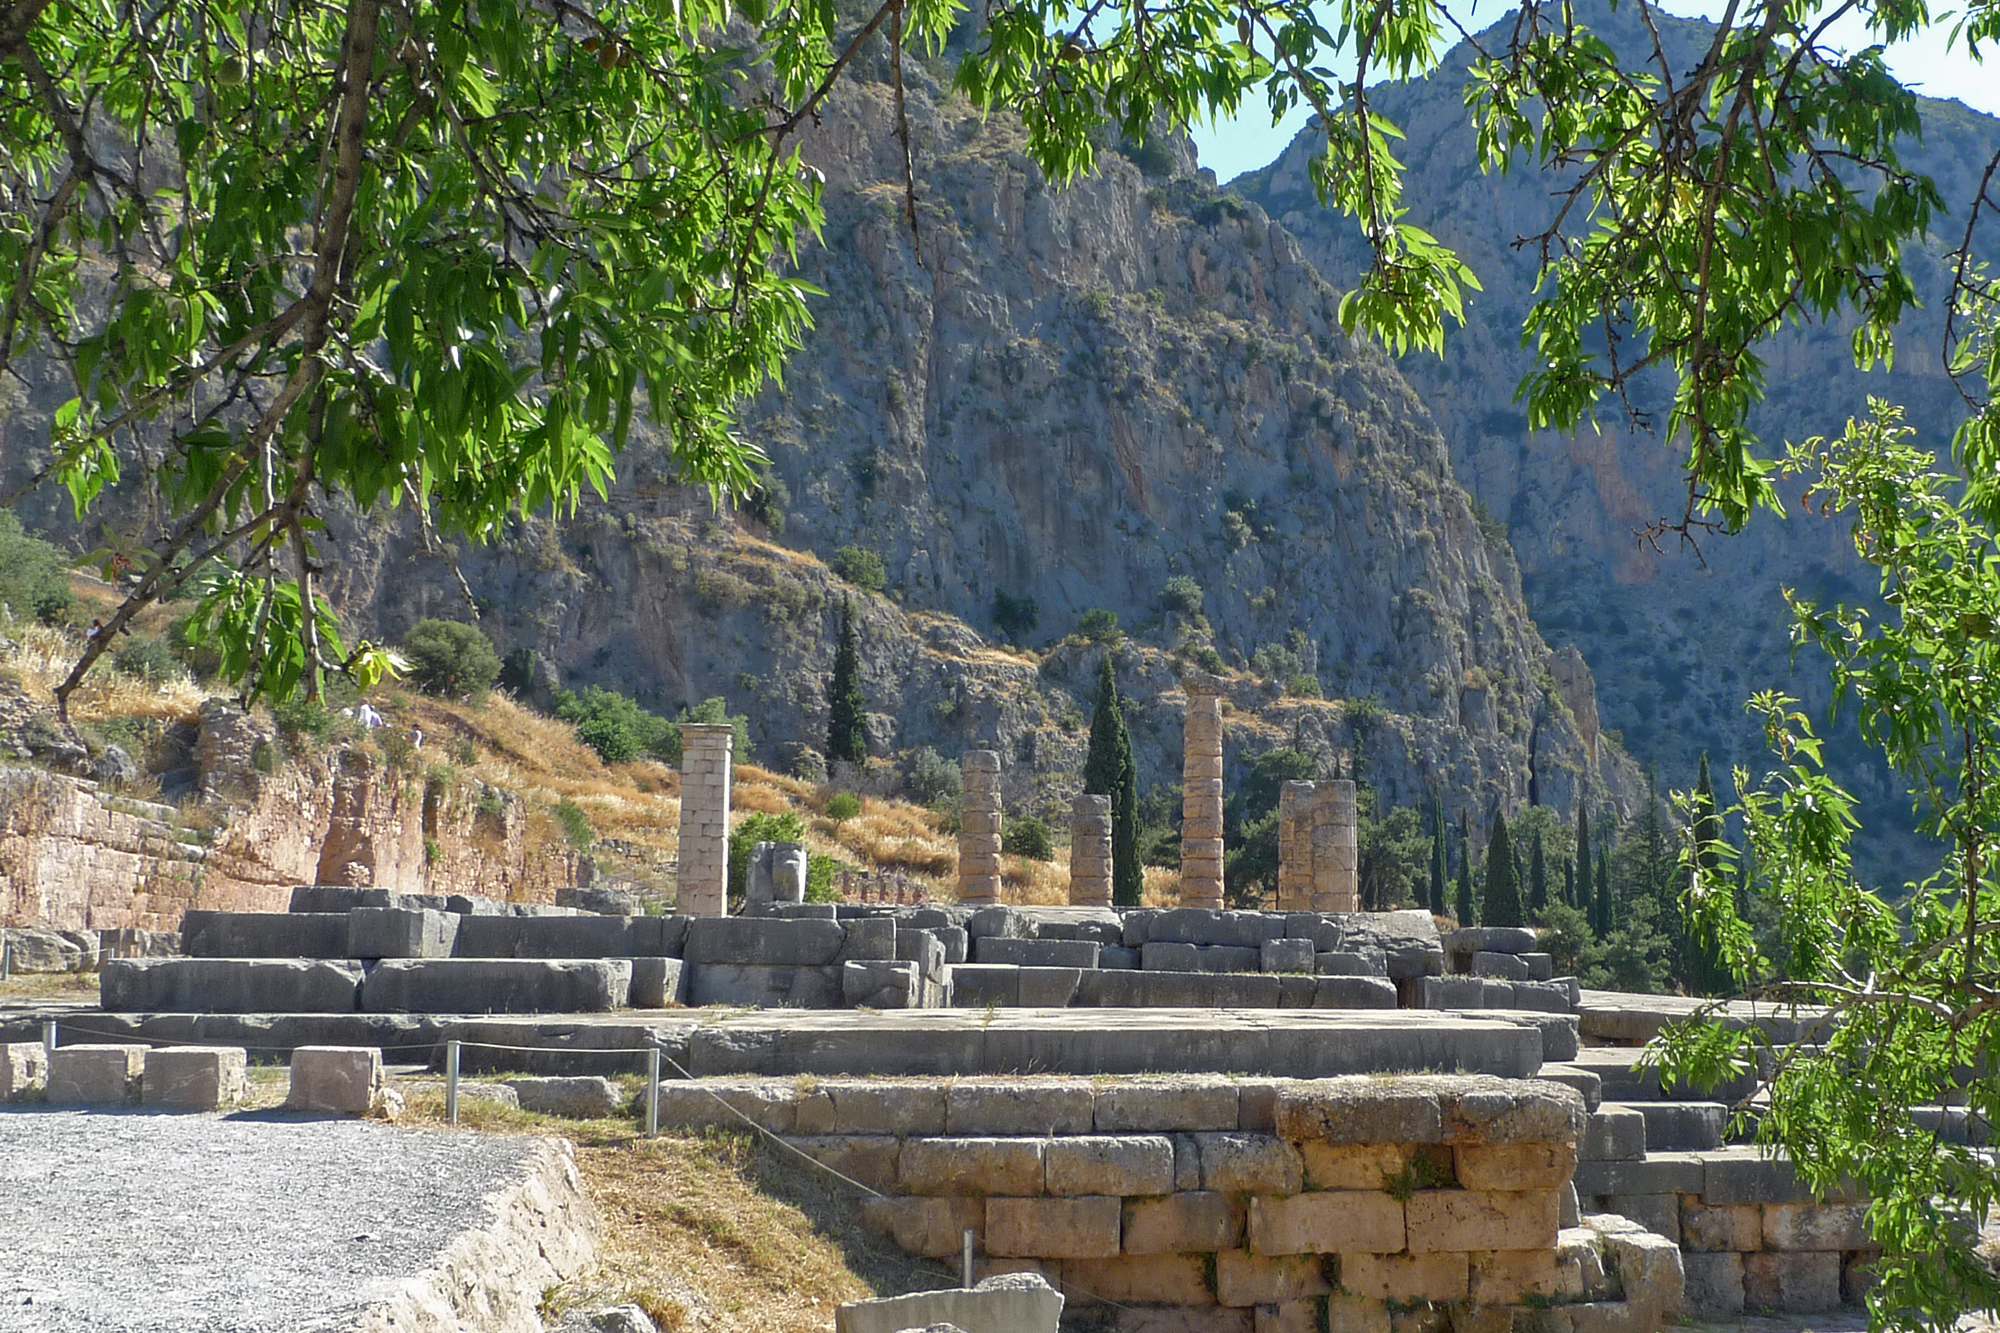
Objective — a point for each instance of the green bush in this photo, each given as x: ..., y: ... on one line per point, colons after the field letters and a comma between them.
x: 301, y: 720
x: 151, y: 660
x: 934, y: 778
x: 451, y: 659
x: 575, y: 825
x: 842, y: 805
x: 34, y: 578
x: 1182, y: 594
x: 1208, y: 659
x: 820, y: 871
x: 1098, y: 625
x: 859, y: 566
x: 767, y: 502
x: 1016, y: 617
x: 620, y: 730
x: 712, y: 711
x: 1029, y: 837
x: 754, y: 828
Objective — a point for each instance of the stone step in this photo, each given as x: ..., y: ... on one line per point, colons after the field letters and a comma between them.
x: 1613, y: 1065
x: 1679, y: 1126
x: 126, y: 805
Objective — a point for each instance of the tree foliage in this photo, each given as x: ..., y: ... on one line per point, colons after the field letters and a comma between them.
x: 847, y: 707
x: 1108, y: 770
x: 450, y: 658
x: 1500, y: 902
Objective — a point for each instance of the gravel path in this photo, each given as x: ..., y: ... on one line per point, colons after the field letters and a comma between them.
x: 138, y: 1222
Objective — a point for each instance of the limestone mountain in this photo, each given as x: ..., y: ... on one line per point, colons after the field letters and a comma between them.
x: 1128, y: 396
x: 1677, y: 639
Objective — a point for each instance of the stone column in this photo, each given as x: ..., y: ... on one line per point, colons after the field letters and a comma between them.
x: 1295, y: 847
x: 1090, y: 852
x: 1201, y: 797
x: 704, y: 879
x: 1336, y: 849
x: 979, y: 828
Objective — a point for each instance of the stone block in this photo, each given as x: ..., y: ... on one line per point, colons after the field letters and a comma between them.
x: 765, y: 941
x: 396, y: 932
x: 1080, y: 1228
x: 1285, y: 955
x: 726, y: 1103
x: 1451, y: 993
x: 1482, y: 1220
x: 1857, y: 1275
x: 971, y: 1166
x: 1326, y: 1222
x: 1184, y: 1319
x: 957, y: 945
x: 1568, y: 1205
x: 869, y: 939
x: 1118, y: 959
x: 1191, y: 1102
x: 1169, y: 956
x: 1049, y: 987
x: 264, y: 934
x: 978, y: 985
x: 1581, y: 1260
x: 867, y: 1159
x: 1738, y: 1226
x: 1541, y: 966
x: 1613, y: 1134
x: 1815, y: 1226
x: 497, y: 985
x: 1290, y: 1317
x: 1501, y: 966
x: 1360, y: 1109
x: 1354, y: 1166
x: 1193, y: 1221
x: 929, y: 1227
x: 1110, y: 1164
x: 1657, y: 1213
x: 1440, y: 1278
x: 1244, y: 1279
x: 345, y: 1080
x: 1713, y: 1284
x: 1804, y: 1282
x: 1335, y: 963
x: 1586, y: 1084
x: 107, y: 1074
x: 658, y: 983
x: 1514, y: 1277
x: 1490, y: 939
x: 1683, y: 1126
x: 194, y: 1078
x: 1545, y: 996
x: 1035, y: 953
x: 1355, y: 1314
x: 1354, y: 993
x: 570, y: 936
x: 1241, y: 1163
x: 1130, y: 1279
x: 1515, y: 1166
x: 1013, y: 1107
x: 229, y: 986
x: 1648, y: 1266
x: 1656, y: 1173
x: 880, y: 984
x: 24, y: 1067
x: 576, y: 1097
x: 867, y: 1107
x: 762, y: 987
x: 1010, y: 1303
x: 1745, y: 1176
x: 1559, y: 1033
x: 922, y: 948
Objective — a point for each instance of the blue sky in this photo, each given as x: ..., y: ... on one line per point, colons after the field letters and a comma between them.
x: 1250, y: 141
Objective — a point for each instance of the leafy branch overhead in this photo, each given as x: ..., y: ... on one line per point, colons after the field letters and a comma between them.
x: 438, y: 253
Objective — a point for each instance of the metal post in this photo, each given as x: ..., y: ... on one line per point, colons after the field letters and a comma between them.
x: 653, y: 1092
x: 6, y: 955
x: 451, y: 1081
x: 49, y: 1038
x: 968, y: 1259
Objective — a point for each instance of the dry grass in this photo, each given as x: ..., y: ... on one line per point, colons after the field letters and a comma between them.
x: 41, y: 657
x: 709, y: 1233
x: 1162, y: 887
x: 29, y: 986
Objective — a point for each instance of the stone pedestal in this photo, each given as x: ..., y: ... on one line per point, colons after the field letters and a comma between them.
x: 1201, y: 800
x: 979, y: 828
x: 704, y: 875
x: 1090, y: 852
x: 1318, y: 847
x: 777, y: 874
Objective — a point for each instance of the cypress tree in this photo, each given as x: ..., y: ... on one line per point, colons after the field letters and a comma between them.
x: 1538, y: 875
x: 1585, y: 896
x: 1707, y: 976
x: 1502, y: 898
x: 1569, y: 880
x: 1607, y: 916
x: 1437, y: 855
x: 1108, y: 770
x: 847, y: 708
x: 1464, y: 904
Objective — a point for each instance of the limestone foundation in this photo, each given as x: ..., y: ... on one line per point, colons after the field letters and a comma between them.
x: 979, y: 828
x: 1318, y: 847
x: 704, y: 877
x: 1201, y: 801
x: 1090, y: 852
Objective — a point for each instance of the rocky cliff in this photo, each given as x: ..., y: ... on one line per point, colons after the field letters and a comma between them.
x: 1071, y: 396
x: 1677, y: 639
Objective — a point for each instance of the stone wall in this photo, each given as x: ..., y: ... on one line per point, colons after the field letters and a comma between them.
x: 76, y: 856
x: 1210, y: 1204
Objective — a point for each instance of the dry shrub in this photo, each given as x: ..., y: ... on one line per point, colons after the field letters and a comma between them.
x: 1035, y: 883
x: 41, y: 657
x: 1162, y: 887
